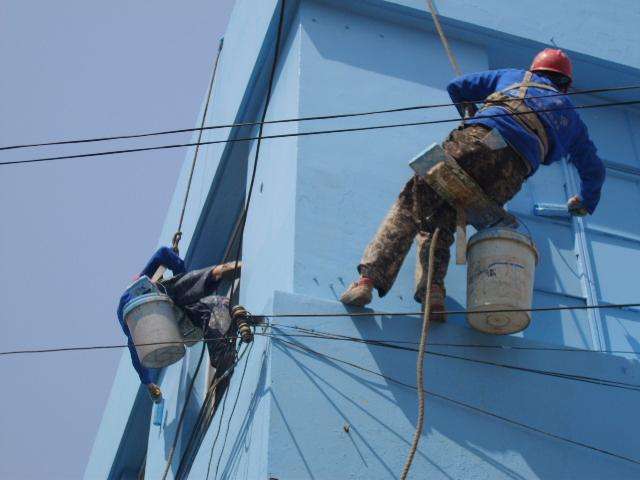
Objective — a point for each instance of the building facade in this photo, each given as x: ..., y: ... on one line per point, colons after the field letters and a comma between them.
x: 292, y: 414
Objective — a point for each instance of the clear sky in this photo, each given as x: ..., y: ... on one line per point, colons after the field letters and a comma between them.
x: 74, y: 232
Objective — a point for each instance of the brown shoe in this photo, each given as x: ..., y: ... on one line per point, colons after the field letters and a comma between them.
x: 438, y: 294
x: 359, y: 293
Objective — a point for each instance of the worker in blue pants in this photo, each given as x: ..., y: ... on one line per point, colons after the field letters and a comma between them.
x: 194, y: 293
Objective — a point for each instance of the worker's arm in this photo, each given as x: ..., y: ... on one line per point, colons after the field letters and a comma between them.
x: 225, y: 271
x: 473, y: 88
x: 165, y: 257
x: 590, y: 168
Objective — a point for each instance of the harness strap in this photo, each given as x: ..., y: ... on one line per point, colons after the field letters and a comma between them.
x: 523, y: 114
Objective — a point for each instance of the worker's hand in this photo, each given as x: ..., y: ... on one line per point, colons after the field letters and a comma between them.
x: 225, y: 270
x: 154, y: 392
x: 576, y: 208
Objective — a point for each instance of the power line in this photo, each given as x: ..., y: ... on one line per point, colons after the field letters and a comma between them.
x: 450, y: 312
x: 103, y: 347
x: 465, y: 405
x: 304, y: 134
x: 567, y: 376
x: 362, y: 314
x: 301, y: 119
x: 312, y: 333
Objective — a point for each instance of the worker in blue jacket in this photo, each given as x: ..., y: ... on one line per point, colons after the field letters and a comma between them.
x: 194, y: 293
x: 539, y: 125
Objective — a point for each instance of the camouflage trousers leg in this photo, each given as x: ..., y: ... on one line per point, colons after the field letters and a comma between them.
x: 419, y: 210
x: 416, y: 211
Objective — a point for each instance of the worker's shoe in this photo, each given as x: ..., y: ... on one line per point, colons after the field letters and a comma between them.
x: 438, y: 294
x: 359, y: 293
x: 154, y: 392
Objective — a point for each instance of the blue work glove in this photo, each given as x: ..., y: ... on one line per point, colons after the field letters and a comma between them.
x: 576, y: 207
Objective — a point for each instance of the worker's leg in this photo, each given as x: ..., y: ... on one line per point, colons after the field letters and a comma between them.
x: 445, y: 219
x: 383, y: 257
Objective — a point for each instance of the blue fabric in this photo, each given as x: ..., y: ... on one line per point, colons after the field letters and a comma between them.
x: 567, y: 133
x: 166, y: 257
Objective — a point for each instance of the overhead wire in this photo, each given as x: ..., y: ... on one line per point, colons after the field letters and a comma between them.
x: 393, y: 345
x: 313, y: 333
x: 591, y: 91
x: 462, y: 404
x: 369, y: 314
x: 309, y: 133
x: 233, y: 409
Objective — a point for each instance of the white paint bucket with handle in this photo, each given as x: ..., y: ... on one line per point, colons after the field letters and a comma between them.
x: 152, y: 321
x: 500, y: 275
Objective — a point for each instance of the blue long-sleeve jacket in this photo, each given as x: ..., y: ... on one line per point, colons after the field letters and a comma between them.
x: 567, y: 134
x: 166, y: 257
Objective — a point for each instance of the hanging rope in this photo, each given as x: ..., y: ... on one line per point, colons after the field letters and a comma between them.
x: 443, y: 39
x: 420, y: 361
x: 178, y: 235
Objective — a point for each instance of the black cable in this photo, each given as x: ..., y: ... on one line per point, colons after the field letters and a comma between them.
x: 233, y: 409
x: 183, y: 414
x: 578, y: 378
x: 463, y: 404
x: 304, y: 134
x: 454, y: 312
x: 240, y: 226
x: 312, y: 333
x: 103, y: 347
x: 368, y: 314
x: 303, y: 119
x: 256, y: 157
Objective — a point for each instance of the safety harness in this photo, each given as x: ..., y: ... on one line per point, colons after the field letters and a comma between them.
x: 522, y: 113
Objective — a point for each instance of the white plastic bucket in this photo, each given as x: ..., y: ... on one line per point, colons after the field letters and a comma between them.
x: 151, y: 319
x: 500, y: 274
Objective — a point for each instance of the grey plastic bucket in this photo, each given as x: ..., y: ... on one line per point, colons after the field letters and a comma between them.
x: 500, y: 273
x: 151, y: 319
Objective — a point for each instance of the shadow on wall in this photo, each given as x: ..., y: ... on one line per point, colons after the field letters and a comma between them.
x: 492, y: 440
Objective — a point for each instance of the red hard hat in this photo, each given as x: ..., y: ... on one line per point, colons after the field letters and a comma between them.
x: 553, y: 60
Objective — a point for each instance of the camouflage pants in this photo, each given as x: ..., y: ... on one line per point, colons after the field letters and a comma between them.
x: 419, y: 210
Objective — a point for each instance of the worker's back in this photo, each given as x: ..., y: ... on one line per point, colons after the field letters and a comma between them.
x: 566, y: 134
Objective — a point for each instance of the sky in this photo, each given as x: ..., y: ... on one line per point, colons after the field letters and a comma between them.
x: 74, y: 232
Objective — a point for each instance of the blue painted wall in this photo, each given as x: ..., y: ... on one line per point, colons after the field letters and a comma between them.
x: 319, y: 199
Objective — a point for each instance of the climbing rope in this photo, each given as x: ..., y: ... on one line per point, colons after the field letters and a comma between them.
x: 420, y: 361
x: 178, y: 235
x: 443, y: 39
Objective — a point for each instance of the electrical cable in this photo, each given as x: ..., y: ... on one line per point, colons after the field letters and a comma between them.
x: 256, y: 158
x: 183, y: 414
x: 452, y: 312
x: 304, y: 134
x: 233, y: 409
x: 240, y: 226
x: 304, y: 119
x: 371, y: 314
x: 312, y: 333
x: 567, y: 376
x: 463, y: 404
